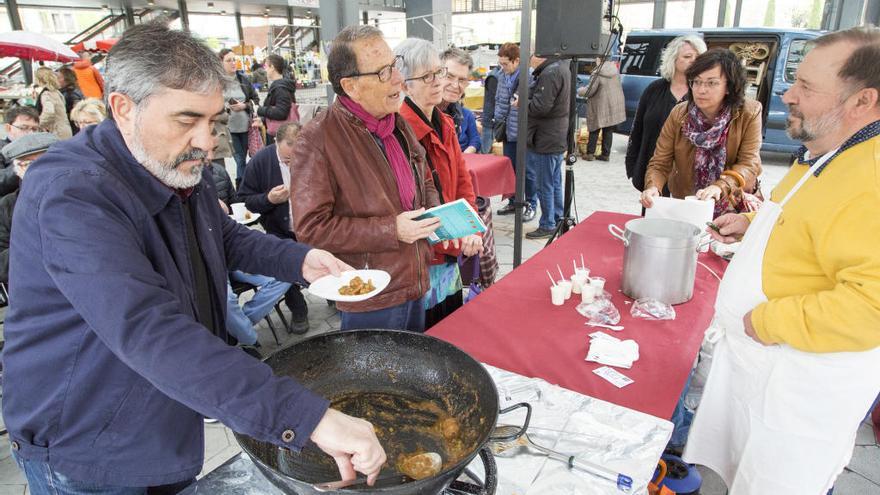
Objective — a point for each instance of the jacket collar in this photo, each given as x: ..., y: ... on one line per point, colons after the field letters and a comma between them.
x: 108, y: 141
x: 419, y: 122
x: 544, y: 65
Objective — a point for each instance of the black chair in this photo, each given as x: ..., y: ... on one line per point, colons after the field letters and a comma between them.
x: 239, y: 288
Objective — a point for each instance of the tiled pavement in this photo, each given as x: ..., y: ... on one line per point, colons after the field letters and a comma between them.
x: 598, y: 186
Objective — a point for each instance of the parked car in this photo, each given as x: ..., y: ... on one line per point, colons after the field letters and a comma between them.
x: 771, y: 57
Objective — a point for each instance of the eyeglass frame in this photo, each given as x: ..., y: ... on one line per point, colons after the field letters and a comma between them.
x: 398, y: 59
x: 708, y: 84
x: 457, y: 80
x: 26, y: 129
x: 431, y: 76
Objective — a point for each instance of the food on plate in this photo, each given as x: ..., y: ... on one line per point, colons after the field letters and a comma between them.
x: 357, y: 287
x: 247, y: 215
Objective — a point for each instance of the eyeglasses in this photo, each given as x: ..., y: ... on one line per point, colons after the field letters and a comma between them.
x: 430, y: 76
x: 26, y: 128
x: 384, y: 73
x: 708, y: 84
x: 458, y: 80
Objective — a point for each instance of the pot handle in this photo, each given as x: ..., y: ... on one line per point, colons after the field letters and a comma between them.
x: 618, y: 233
x: 514, y: 436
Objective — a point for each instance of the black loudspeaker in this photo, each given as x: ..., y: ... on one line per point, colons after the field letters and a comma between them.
x: 571, y: 28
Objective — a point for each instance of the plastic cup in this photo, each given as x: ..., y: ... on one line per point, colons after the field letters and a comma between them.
x: 238, y: 210
x: 588, y: 294
x: 557, y: 295
x: 578, y: 281
x: 566, y: 288
x: 598, y: 283
x: 585, y: 272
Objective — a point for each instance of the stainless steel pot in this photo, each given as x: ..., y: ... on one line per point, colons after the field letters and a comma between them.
x: 660, y: 259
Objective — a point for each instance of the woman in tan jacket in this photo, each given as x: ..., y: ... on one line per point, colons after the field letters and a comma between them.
x: 710, y: 144
x: 50, y: 104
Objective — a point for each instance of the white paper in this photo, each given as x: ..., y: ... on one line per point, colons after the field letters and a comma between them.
x: 614, y: 377
x: 692, y: 211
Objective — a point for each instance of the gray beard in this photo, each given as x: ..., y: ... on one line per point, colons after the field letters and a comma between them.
x: 811, y: 131
x: 167, y: 173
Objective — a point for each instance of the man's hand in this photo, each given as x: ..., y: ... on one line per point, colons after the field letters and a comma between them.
x: 352, y: 443
x: 648, y: 196
x: 279, y: 194
x: 238, y: 107
x: 750, y: 329
x: 223, y: 206
x: 710, y: 192
x: 731, y: 227
x: 410, y: 231
x: 319, y: 263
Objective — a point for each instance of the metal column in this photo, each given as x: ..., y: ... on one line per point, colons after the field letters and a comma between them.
x: 525, y: 43
x: 699, y: 7
x: 238, y: 28
x: 659, y: 14
x: 335, y: 16
x: 722, y: 13
x: 737, y: 13
x: 15, y: 22
x: 184, y: 14
x: 128, y: 12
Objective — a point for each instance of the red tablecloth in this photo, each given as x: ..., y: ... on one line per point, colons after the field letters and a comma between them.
x: 513, y: 325
x: 491, y: 174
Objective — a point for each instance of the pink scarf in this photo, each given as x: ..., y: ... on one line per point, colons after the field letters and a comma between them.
x: 384, y: 130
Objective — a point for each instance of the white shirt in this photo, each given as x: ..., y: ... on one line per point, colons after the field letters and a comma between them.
x: 285, y: 177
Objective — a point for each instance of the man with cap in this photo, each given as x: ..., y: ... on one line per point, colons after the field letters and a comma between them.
x: 20, y: 154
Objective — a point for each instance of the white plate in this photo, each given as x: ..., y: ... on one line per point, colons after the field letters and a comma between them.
x: 328, y: 286
x: 254, y: 217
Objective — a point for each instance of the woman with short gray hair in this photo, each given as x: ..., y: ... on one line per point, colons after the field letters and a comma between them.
x: 656, y: 104
x: 424, y: 83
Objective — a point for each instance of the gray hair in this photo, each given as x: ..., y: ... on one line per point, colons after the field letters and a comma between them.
x: 150, y: 58
x: 288, y: 131
x: 670, y: 53
x: 417, y: 55
x: 341, y: 60
x: 459, y: 56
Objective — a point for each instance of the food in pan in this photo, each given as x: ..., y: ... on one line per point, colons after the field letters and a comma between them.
x: 357, y: 287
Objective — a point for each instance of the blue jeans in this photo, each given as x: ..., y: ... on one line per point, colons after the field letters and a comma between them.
x: 407, y: 316
x: 240, y: 148
x: 240, y: 320
x: 531, y: 180
x: 488, y: 138
x: 546, y: 170
x: 43, y: 480
x: 682, y: 417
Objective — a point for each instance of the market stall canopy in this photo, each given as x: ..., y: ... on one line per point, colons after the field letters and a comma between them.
x: 95, y: 45
x: 33, y: 46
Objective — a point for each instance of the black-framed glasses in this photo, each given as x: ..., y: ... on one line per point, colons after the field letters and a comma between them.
x: 26, y: 128
x: 384, y: 73
x: 708, y: 84
x: 430, y: 76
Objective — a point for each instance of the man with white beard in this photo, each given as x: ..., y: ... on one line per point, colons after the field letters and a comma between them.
x: 115, y: 337
x: 797, y: 365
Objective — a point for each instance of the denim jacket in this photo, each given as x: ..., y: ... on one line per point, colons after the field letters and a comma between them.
x: 108, y: 374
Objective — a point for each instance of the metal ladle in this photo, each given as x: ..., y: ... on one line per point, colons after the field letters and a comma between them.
x: 624, y: 482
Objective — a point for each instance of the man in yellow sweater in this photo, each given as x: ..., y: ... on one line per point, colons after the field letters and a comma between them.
x: 798, y: 364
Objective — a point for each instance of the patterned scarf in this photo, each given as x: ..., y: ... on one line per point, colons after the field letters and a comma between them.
x: 384, y: 130
x: 710, y: 140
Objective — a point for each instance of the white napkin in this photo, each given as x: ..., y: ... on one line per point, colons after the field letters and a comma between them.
x: 610, y: 351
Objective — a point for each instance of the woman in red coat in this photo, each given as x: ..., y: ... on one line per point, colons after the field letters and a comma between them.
x: 424, y: 82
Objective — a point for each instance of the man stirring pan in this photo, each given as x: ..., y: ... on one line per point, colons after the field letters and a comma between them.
x: 115, y: 339
x: 798, y: 365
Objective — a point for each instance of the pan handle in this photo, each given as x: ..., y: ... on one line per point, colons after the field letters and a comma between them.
x: 509, y: 438
x: 617, y: 232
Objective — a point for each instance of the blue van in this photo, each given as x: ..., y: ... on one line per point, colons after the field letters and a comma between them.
x: 776, y: 55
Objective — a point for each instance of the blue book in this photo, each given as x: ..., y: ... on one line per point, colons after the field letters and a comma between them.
x: 457, y: 219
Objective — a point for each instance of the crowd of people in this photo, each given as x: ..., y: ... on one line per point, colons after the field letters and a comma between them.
x: 124, y: 255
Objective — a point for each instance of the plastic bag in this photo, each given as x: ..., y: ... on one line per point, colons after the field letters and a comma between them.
x: 652, y: 309
x: 601, y: 311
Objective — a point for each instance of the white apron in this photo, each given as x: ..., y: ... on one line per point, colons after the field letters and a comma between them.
x: 773, y: 419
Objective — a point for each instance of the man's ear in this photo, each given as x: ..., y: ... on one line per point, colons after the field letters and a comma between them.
x: 866, y: 101
x: 349, y: 84
x: 124, y: 111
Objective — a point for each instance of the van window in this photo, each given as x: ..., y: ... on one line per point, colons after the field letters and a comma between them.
x: 796, y: 52
x: 639, y: 59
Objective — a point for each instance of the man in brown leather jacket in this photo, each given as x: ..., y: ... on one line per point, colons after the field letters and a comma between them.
x: 359, y: 179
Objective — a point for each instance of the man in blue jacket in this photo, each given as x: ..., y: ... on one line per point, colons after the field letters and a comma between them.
x: 459, y: 65
x: 115, y: 337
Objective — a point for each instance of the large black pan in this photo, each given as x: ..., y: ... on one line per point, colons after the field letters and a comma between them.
x: 410, y: 365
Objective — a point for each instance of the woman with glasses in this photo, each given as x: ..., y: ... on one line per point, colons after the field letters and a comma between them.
x: 656, y: 104
x: 50, y: 104
x: 424, y: 84
x: 88, y: 112
x: 709, y: 145
x: 241, y: 99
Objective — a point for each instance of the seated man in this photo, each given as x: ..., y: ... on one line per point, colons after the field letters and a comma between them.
x: 240, y: 319
x: 459, y: 65
x: 266, y: 190
x: 20, y: 121
x: 20, y: 154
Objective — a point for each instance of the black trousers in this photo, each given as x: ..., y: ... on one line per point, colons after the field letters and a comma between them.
x: 607, y: 137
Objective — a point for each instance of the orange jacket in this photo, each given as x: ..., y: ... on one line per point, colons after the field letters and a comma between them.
x: 444, y: 155
x: 90, y: 81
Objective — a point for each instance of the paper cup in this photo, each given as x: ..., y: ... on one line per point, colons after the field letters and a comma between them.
x: 238, y: 210
x: 557, y: 295
x: 588, y: 294
x: 566, y: 287
x: 584, y: 272
x: 598, y: 283
x: 578, y: 281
